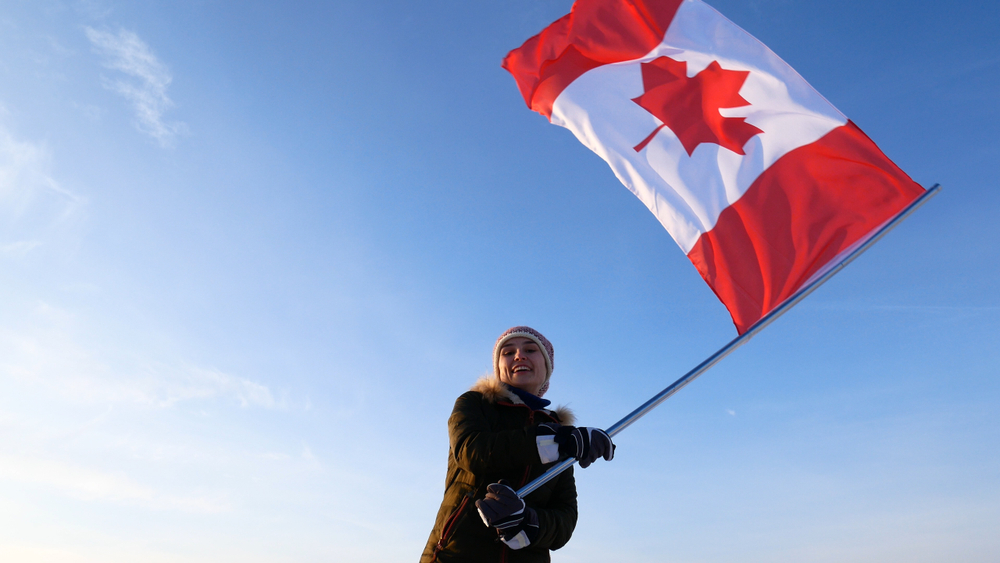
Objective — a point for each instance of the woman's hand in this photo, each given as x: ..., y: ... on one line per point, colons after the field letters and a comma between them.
x: 585, y: 443
x: 504, y: 510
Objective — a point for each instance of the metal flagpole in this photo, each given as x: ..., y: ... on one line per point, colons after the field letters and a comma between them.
x: 739, y: 340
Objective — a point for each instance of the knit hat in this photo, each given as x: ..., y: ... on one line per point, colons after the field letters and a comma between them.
x: 536, y: 337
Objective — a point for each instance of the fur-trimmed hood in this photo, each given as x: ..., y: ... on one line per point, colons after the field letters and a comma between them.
x: 494, y: 390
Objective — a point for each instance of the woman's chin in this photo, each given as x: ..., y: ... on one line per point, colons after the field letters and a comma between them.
x: 529, y: 386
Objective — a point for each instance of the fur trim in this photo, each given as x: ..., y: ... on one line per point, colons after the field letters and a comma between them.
x: 565, y: 415
x: 494, y: 390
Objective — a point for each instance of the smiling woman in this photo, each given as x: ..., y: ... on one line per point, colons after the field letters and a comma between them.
x: 503, y: 435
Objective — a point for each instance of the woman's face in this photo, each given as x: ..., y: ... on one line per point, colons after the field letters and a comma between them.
x: 522, y: 364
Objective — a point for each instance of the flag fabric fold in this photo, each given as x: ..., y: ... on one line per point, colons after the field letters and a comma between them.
x: 760, y: 181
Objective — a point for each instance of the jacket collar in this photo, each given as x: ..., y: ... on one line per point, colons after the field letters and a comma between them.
x: 495, y: 392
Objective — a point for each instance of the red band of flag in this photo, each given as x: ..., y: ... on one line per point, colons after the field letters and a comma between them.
x: 594, y: 33
x: 811, y: 205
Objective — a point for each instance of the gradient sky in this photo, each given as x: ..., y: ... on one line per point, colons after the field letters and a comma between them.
x: 251, y: 252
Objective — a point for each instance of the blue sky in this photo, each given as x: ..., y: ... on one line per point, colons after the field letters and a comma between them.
x: 251, y: 252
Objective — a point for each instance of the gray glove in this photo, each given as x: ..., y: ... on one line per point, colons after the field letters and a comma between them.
x: 585, y: 443
x: 503, y: 510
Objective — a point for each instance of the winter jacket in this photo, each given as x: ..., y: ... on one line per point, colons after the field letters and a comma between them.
x: 492, y: 434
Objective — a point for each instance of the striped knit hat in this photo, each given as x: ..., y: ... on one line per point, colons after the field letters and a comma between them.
x: 533, y: 335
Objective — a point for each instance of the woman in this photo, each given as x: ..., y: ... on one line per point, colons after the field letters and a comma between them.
x: 502, y: 436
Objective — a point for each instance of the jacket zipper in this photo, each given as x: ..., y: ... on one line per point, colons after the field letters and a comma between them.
x: 527, y: 470
x: 524, y: 481
x: 452, y: 520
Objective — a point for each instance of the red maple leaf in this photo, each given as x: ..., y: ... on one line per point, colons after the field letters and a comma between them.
x: 690, y: 106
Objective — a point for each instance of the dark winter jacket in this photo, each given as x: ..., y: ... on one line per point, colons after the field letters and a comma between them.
x: 492, y: 435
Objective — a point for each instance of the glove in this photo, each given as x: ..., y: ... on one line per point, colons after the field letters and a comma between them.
x: 584, y: 443
x: 504, y: 510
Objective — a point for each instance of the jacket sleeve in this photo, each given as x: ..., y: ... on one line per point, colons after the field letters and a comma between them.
x: 480, y: 449
x: 557, y: 519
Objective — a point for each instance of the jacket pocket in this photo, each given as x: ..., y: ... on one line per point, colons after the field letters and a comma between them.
x: 451, y: 523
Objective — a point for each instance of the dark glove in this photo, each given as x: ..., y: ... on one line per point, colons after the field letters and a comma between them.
x: 585, y: 443
x: 504, y: 510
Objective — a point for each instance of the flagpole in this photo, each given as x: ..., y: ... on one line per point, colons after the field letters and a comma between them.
x: 739, y: 340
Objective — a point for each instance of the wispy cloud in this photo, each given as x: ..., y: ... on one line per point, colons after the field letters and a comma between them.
x: 47, y: 351
x: 144, y: 84
x: 19, y: 248
x: 88, y: 417
x: 190, y: 382
x: 31, y: 200
x: 23, y: 172
x: 95, y: 485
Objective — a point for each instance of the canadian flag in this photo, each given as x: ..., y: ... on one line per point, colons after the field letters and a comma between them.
x: 756, y: 176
